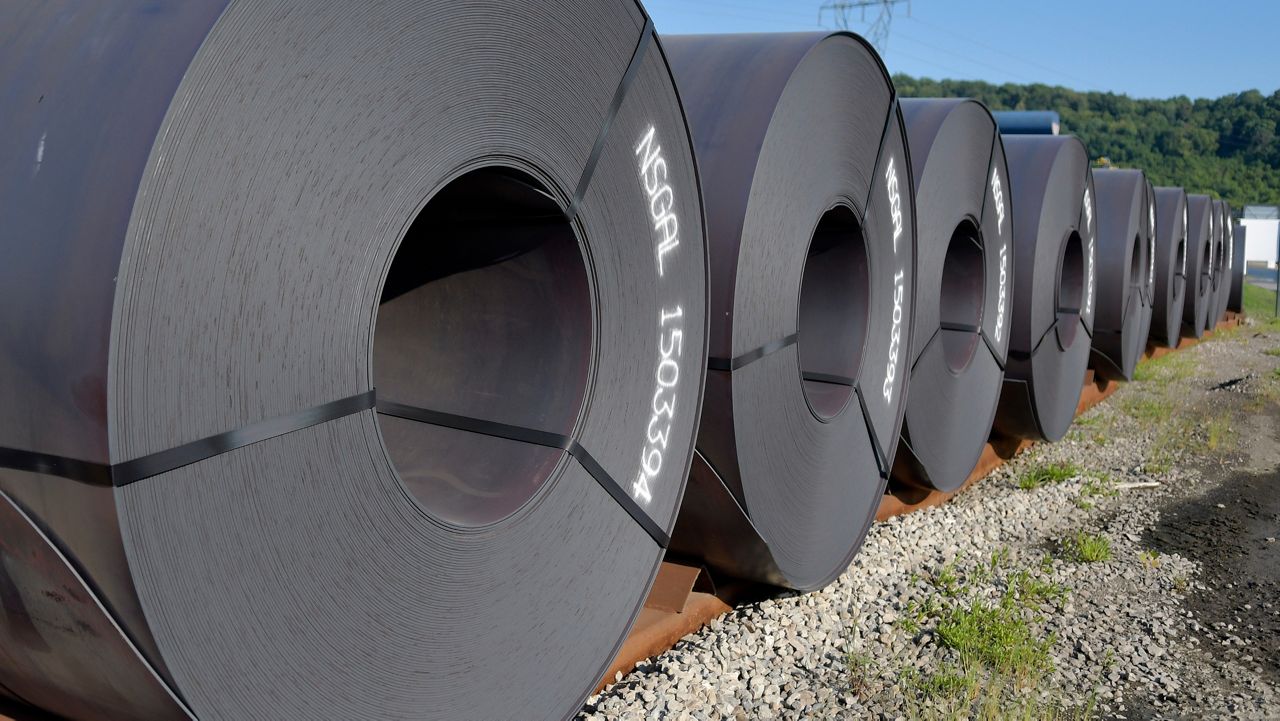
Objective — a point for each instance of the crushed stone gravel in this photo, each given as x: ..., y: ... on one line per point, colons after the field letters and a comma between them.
x: 1135, y: 636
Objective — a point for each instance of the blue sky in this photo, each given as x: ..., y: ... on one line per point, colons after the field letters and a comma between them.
x: 1147, y: 49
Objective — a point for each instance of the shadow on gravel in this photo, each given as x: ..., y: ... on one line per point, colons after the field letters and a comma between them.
x: 1234, y: 532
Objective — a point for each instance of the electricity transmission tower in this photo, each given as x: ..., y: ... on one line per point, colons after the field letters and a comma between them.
x: 878, y: 30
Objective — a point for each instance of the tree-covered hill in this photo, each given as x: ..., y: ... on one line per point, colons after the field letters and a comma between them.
x: 1228, y: 147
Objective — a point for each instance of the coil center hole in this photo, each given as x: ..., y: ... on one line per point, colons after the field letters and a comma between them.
x: 962, y: 295
x: 1136, y: 266
x: 486, y: 313
x: 834, y: 304
x: 1206, y: 267
x: 1070, y: 287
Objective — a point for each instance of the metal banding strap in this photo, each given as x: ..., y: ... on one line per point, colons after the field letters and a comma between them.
x: 751, y: 356
x: 995, y: 353
x: 834, y: 380
x: 884, y: 141
x: 633, y: 69
x: 1025, y: 355
x: 536, y: 437
x: 882, y: 459
x: 882, y: 462
x: 123, y: 474
x: 982, y: 333
x: 94, y: 474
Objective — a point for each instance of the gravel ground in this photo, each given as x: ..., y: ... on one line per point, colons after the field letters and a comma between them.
x: 1064, y: 585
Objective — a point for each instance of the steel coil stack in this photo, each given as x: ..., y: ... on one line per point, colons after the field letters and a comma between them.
x: 353, y: 355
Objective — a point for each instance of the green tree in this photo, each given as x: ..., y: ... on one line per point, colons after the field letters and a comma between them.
x: 1227, y: 147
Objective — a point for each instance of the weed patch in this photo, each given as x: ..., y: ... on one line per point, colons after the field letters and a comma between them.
x: 1146, y: 409
x: 1099, y: 487
x: 1260, y: 305
x: 1217, y: 431
x: 1044, y: 474
x: 988, y: 614
x: 1169, y: 368
x: 1087, y: 547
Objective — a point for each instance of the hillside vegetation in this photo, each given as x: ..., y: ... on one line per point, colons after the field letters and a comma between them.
x: 1228, y: 147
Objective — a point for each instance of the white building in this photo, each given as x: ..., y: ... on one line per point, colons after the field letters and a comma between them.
x: 1262, y: 230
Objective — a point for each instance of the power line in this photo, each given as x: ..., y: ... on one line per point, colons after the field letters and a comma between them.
x: 878, y: 33
x: 965, y: 58
x: 985, y: 46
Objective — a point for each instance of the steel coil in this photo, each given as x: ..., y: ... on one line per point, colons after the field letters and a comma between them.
x: 1125, y: 272
x: 965, y: 274
x: 811, y: 229
x: 1054, y: 289
x: 1171, y: 266
x: 226, y: 225
x: 1200, y: 256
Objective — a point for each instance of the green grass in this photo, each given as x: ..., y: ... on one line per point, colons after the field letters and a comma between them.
x: 998, y: 637
x: 1146, y: 409
x: 988, y: 614
x: 1100, y: 487
x: 1173, y: 426
x: 1087, y: 547
x: 1167, y: 368
x: 1272, y: 352
x: 961, y: 693
x: 1092, y: 420
x: 861, y: 668
x: 1218, y: 431
x: 1046, y: 564
x: 1260, y: 304
x: 1032, y: 592
x: 1150, y: 559
x: 1044, y: 474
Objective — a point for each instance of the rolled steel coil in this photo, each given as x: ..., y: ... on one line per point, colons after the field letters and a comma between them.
x: 226, y: 225
x: 1171, y: 266
x: 1054, y: 289
x: 1225, y: 272
x: 811, y: 229
x: 1125, y: 270
x: 1149, y: 296
x: 964, y: 270
x: 1235, y: 300
x: 1217, y: 277
x: 1200, y: 250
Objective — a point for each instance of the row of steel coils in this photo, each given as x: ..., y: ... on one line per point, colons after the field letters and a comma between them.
x: 364, y: 360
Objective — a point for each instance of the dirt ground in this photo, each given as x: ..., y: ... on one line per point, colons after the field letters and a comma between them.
x: 1233, y: 531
